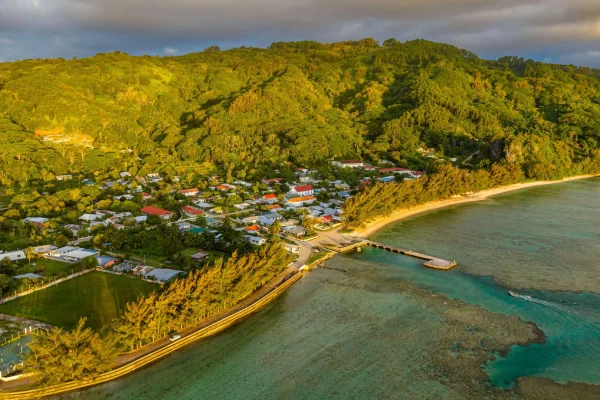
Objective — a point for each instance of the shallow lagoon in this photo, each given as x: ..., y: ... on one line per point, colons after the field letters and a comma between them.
x: 378, y: 325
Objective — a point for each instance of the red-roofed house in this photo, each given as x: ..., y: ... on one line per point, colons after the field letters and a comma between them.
x: 328, y: 219
x: 303, y: 190
x: 270, y: 198
x: 192, y: 211
x: 188, y: 192
x: 146, y: 196
x: 223, y: 188
x: 151, y: 210
x: 252, y: 229
x: 274, y: 207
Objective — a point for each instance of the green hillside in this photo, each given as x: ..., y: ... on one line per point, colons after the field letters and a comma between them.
x: 246, y: 110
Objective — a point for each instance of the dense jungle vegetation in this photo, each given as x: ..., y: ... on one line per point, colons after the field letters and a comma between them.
x: 245, y: 110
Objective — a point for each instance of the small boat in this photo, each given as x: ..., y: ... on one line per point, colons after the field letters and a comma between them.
x: 513, y: 294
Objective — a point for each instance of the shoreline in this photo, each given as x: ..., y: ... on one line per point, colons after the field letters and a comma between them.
x: 400, y: 214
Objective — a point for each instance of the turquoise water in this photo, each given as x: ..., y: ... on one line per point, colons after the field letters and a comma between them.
x: 570, y: 321
x: 365, y: 328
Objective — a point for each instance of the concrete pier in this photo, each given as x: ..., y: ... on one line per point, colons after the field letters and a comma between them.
x: 430, y: 262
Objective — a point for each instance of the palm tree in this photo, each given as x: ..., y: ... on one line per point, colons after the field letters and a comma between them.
x: 29, y: 253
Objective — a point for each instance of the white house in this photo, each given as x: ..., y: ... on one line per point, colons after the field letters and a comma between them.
x: 300, y: 201
x: 13, y: 255
x: 255, y: 240
x: 88, y: 217
x: 292, y: 248
x: 241, y: 206
x: 348, y: 163
x: 302, y: 190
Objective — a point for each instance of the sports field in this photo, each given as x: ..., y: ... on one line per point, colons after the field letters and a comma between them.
x: 99, y: 296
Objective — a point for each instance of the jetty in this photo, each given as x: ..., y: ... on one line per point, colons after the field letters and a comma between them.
x: 430, y: 262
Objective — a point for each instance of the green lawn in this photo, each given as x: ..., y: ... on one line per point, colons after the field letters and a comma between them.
x: 48, y: 267
x: 99, y: 296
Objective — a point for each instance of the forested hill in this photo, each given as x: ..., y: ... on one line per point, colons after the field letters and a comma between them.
x: 246, y: 110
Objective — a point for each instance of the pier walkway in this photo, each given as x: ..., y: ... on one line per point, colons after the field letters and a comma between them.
x: 431, y: 262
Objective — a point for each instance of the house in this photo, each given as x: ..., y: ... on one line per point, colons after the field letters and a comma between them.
x: 124, y: 174
x: 369, y: 167
x: 326, y: 219
x: 295, y: 231
x: 64, y: 177
x: 106, y: 262
x: 269, y: 219
x: 103, y: 213
x: 241, y: 206
x: 340, y: 185
x: 153, y: 175
x: 184, y: 225
x: 108, y: 184
x: 123, y: 197
x: 78, y: 255
x: 203, y: 205
x: 243, y: 183
x: 73, y: 228
x: 199, y: 256
x: 251, y: 219
x: 146, y: 196
x: 223, y: 188
x: 27, y: 276
x: 189, y: 192
x: 300, y: 201
x: 270, y: 198
x: 292, y: 248
x: 305, y: 179
x: 302, y: 190
x: 39, y: 222
x: 348, y: 163
x: 192, y: 211
x: 140, y: 219
x: 88, y: 217
x: 151, y: 210
x: 393, y: 170
x: 44, y: 249
x: 252, y: 229
x: 272, y: 181
x: 162, y: 275
x: 274, y: 207
x: 303, y: 171
x: 13, y: 255
x: 255, y: 240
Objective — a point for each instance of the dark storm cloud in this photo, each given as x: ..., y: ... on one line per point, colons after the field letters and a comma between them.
x: 561, y: 30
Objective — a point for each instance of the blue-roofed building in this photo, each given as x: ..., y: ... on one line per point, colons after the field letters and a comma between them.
x: 106, y: 261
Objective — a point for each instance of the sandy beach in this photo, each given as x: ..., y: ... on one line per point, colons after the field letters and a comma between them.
x: 378, y: 223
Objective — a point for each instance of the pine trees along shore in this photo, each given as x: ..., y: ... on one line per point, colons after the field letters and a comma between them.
x: 59, y: 356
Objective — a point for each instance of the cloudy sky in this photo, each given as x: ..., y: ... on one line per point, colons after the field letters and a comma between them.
x: 563, y: 31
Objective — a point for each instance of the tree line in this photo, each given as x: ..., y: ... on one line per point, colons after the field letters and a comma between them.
x: 58, y: 356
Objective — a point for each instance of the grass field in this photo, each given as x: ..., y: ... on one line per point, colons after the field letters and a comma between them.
x: 47, y: 266
x: 98, y: 296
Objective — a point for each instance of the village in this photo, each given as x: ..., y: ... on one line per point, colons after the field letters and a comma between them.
x: 303, y: 214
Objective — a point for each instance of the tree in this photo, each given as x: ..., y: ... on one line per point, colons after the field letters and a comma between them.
x: 29, y: 253
x: 61, y: 240
x: 60, y: 356
x: 275, y: 228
